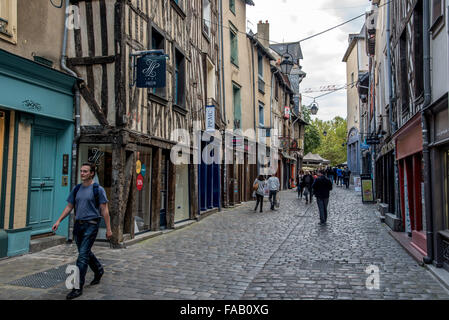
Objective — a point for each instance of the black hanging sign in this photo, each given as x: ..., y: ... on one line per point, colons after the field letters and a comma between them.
x: 151, y: 71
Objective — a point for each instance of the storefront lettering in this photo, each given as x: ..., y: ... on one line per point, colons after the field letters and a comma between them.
x: 97, y: 154
x: 443, y: 132
x: 31, y: 105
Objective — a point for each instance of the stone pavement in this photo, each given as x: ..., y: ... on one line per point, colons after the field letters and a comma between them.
x: 242, y: 254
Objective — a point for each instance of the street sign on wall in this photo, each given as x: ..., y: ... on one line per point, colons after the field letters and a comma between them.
x: 210, y: 118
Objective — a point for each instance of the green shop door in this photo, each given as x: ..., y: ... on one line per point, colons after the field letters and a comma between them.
x: 42, y: 180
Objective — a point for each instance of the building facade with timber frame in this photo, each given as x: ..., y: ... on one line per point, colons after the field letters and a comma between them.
x: 128, y: 131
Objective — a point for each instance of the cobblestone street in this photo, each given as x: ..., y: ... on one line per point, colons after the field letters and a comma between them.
x: 241, y: 254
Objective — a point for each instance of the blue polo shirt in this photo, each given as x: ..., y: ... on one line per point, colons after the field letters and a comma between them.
x: 85, y: 202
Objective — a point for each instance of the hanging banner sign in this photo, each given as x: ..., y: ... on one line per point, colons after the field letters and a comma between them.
x: 143, y: 170
x: 151, y: 71
x: 138, y: 166
x: 210, y: 118
x: 139, y: 182
x: 286, y: 112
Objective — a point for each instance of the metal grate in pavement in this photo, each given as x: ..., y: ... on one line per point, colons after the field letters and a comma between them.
x: 49, y: 278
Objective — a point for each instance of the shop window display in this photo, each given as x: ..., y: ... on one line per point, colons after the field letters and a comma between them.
x: 142, y: 219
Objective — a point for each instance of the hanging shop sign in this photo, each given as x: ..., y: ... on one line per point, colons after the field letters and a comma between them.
x: 151, y: 71
x: 364, y: 146
x: 210, y: 118
x: 143, y: 170
x: 287, y: 112
x: 138, y: 166
x: 373, y: 140
x: 139, y: 182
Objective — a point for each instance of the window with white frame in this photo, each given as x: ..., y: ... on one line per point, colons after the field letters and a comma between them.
x: 437, y: 11
x: 8, y: 20
x: 206, y: 17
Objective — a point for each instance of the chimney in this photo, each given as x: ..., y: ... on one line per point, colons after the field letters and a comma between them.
x: 263, y: 33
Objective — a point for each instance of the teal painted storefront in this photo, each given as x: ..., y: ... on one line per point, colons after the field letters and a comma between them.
x: 42, y: 98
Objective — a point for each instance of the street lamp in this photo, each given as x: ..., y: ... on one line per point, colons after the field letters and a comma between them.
x: 314, y: 108
x: 287, y: 64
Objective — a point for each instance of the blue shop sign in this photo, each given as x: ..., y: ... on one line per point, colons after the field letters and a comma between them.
x: 151, y: 71
x: 143, y: 170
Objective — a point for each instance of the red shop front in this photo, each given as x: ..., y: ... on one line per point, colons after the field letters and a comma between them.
x: 411, y: 181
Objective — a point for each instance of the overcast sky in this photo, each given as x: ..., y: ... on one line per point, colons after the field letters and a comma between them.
x: 293, y: 20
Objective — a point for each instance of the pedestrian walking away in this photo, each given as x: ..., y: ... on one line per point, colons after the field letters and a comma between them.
x: 273, y: 186
x: 300, y: 186
x: 89, y: 200
x: 308, y: 181
x: 259, y: 188
x: 321, y: 188
x: 346, y: 176
x: 339, y: 177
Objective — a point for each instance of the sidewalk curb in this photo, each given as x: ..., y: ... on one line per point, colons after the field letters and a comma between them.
x: 440, y: 274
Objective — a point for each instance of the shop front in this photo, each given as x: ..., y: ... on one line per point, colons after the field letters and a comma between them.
x: 385, y: 178
x: 208, y: 177
x: 438, y: 120
x: 411, y: 182
x: 36, y: 135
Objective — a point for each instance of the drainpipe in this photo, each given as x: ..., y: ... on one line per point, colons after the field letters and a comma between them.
x: 426, y: 153
x: 254, y: 107
x: 223, y: 101
x: 77, y: 103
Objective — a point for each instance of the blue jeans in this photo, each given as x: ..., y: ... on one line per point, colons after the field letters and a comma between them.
x: 322, y: 206
x: 84, y: 235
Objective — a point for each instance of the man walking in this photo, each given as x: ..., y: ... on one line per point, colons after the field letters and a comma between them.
x: 273, y: 186
x: 88, y: 199
x: 346, y: 176
x: 321, y: 188
x: 339, y: 177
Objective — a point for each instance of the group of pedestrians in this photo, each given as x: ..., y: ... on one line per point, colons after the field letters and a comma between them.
x: 309, y: 184
x: 259, y: 186
x: 338, y: 175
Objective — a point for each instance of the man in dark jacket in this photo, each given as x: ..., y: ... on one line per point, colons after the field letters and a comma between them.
x: 346, y: 176
x: 321, y: 188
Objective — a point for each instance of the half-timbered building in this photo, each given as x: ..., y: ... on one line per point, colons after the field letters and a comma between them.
x: 129, y: 131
